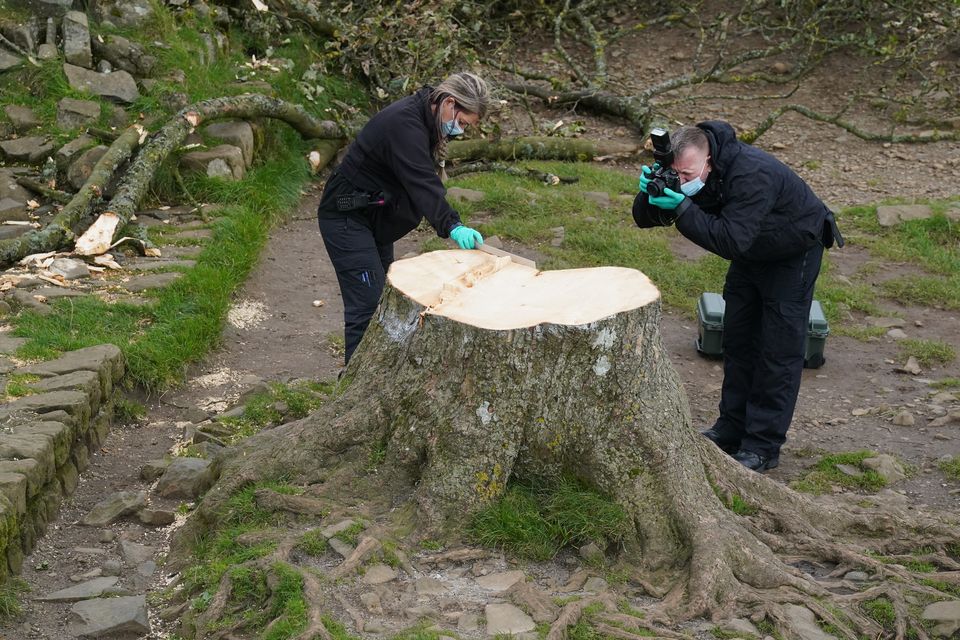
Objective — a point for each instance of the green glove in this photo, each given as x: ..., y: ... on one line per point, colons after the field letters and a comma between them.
x: 644, y: 179
x: 669, y: 201
x: 466, y: 237
x: 645, y: 172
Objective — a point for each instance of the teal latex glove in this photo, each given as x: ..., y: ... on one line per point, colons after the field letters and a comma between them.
x: 645, y: 173
x: 669, y: 201
x: 644, y: 178
x: 466, y: 237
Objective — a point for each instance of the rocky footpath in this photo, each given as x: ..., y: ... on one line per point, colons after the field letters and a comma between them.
x: 46, y: 437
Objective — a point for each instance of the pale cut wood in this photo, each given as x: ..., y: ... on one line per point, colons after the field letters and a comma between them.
x: 486, y: 248
x: 491, y: 292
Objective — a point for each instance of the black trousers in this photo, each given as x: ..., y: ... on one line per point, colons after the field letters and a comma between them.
x: 360, y: 261
x: 764, y: 330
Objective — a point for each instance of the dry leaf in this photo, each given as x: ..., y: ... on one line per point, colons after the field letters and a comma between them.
x: 152, y: 252
x: 96, y: 269
x: 40, y: 298
x: 33, y: 204
x: 259, y: 6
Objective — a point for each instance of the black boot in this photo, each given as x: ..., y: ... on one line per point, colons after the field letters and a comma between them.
x: 728, y: 446
x: 756, y: 462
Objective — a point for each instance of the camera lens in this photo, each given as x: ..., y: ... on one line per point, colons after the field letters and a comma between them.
x: 655, y: 188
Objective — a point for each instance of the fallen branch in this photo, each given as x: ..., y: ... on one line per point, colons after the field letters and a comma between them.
x: 539, y: 148
x: 137, y: 180
x: 46, y: 191
x: 59, y: 232
x: 770, y: 120
x: 18, y: 49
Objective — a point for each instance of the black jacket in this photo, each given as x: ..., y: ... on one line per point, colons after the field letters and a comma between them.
x: 753, y: 207
x: 392, y: 154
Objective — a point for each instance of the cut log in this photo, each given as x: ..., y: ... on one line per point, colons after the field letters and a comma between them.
x: 60, y: 231
x: 168, y: 139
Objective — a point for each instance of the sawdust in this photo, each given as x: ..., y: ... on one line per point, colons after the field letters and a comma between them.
x: 247, y: 314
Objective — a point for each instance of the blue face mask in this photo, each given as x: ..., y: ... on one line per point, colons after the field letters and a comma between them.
x: 692, y: 187
x: 452, y: 128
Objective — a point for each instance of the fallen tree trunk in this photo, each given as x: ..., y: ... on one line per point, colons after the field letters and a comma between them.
x: 476, y: 371
x: 539, y: 148
x: 60, y: 231
x: 169, y: 138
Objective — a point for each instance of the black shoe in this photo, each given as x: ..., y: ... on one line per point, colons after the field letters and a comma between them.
x: 756, y: 462
x: 728, y: 446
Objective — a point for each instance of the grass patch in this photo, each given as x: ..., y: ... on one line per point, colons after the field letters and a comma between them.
x: 11, y: 591
x: 18, y: 385
x: 126, y: 411
x: 824, y: 475
x: 928, y: 291
x: 946, y: 383
x: 313, y: 543
x: 281, y: 402
x: 927, y: 352
x: 951, y: 468
x: 537, y: 519
x: 351, y: 535
x: 881, y: 611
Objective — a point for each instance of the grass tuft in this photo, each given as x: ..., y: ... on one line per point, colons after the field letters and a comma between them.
x: 11, y: 590
x: 927, y: 352
x: 537, y: 519
x: 951, y: 468
x: 313, y: 543
x: 264, y: 409
x: 18, y: 385
x: 824, y: 475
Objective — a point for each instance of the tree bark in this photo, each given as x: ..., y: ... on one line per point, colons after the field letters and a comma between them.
x: 475, y: 371
x: 60, y: 231
x: 138, y: 178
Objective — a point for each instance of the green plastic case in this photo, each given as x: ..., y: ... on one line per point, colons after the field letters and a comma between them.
x: 710, y: 309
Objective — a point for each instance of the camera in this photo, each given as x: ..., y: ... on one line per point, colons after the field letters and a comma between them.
x: 663, y: 176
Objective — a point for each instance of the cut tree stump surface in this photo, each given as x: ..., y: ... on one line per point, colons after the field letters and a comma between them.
x: 496, y: 293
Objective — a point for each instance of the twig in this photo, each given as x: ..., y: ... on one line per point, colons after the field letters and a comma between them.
x: 38, y: 187
x: 18, y: 49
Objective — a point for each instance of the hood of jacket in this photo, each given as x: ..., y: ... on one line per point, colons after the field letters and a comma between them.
x: 724, y: 146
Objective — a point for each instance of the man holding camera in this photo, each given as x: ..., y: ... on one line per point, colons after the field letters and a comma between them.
x: 744, y: 205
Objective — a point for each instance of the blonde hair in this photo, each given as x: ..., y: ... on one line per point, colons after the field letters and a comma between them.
x: 469, y: 91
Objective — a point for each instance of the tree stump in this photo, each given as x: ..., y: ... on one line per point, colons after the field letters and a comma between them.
x: 476, y: 370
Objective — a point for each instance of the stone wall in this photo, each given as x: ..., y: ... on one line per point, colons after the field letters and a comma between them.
x: 46, y: 439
